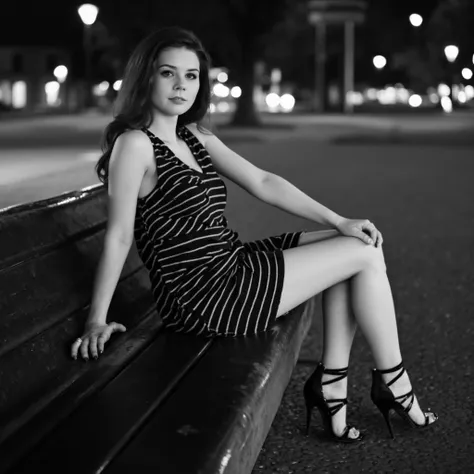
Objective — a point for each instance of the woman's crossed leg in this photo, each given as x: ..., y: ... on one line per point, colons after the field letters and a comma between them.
x: 355, y: 290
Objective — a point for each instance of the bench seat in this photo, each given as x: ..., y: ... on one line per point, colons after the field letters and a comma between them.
x: 155, y: 401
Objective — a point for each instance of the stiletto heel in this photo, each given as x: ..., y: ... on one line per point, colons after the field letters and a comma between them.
x: 313, y: 395
x: 386, y: 414
x: 385, y: 400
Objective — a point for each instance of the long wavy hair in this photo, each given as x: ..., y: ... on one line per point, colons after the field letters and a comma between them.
x: 133, y: 108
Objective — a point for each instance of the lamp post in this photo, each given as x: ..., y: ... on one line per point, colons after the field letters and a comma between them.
x: 451, y: 52
x: 322, y: 13
x: 88, y: 14
x: 60, y: 72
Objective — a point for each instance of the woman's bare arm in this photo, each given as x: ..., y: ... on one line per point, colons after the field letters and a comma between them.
x: 129, y: 162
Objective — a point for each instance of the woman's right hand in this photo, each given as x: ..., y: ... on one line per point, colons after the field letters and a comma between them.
x: 92, y: 342
x: 363, y: 229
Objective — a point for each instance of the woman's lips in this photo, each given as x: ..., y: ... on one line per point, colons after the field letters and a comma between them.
x: 178, y: 100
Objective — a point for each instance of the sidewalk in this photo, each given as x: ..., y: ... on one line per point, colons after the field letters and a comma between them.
x: 41, y: 157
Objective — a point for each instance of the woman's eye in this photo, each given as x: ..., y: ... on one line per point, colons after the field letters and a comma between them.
x: 166, y: 73
x: 192, y: 76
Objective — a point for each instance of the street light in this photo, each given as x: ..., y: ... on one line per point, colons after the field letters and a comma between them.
x: 467, y: 73
x: 379, y: 61
x: 451, y: 52
x: 88, y: 14
x: 60, y: 72
x: 416, y: 20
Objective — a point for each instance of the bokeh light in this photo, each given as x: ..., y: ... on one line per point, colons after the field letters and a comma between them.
x: 220, y: 90
x: 444, y: 90
x: 236, y: 92
x: 466, y: 73
x: 60, y: 72
x: 287, y: 102
x: 446, y: 104
x: 379, y: 61
x: 222, y: 77
x: 52, y: 90
x: 415, y: 100
x: 451, y: 52
x: 88, y: 13
x: 415, y: 19
x: 272, y: 100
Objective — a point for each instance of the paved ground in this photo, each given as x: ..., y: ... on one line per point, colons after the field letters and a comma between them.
x: 418, y: 189
x: 421, y: 198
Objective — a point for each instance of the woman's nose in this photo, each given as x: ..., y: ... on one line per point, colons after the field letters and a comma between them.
x: 179, y: 85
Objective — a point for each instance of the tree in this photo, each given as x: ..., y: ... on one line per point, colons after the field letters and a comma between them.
x: 234, y: 31
x: 423, y: 61
x: 250, y: 22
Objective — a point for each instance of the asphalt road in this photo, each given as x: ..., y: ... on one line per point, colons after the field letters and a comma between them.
x: 421, y: 197
x: 414, y: 180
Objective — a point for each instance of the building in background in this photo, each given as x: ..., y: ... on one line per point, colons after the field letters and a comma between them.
x: 30, y: 79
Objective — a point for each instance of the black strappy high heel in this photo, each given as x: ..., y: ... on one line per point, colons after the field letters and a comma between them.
x: 385, y: 401
x: 313, y: 395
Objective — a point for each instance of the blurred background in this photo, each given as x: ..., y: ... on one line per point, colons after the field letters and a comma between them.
x: 275, y: 56
x: 329, y: 71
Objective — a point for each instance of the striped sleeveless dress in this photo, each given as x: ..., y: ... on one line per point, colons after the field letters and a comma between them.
x: 204, y: 279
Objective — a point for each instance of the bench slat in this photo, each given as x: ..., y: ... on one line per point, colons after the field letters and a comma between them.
x: 218, y: 418
x: 103, y: 425
x: 40, y: 293
x: 34, y: 372
x: 53, y: 221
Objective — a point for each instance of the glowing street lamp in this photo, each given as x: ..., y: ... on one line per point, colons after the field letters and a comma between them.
x: 60, y: 72
x: 416, y: 20
x: 467, y: 73
x: 451, y: 52
x: 379, y: 61
x: 88, y: 14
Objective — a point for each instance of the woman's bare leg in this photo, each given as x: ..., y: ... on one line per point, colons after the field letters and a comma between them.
x: 338, y: 317
x: 315, y: 267
x: 338, y: 334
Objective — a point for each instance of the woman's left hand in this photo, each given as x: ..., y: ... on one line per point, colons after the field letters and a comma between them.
x: 362, y: 229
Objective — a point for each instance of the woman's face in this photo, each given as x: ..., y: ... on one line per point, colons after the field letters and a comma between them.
x: 176, y: 81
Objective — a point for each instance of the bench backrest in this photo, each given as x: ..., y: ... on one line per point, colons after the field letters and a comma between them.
x: 49, y: 252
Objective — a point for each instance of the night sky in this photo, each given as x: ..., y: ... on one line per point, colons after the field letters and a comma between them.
x: 56, y: 22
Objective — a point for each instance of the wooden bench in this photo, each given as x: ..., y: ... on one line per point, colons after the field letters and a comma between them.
x: 155, y: 401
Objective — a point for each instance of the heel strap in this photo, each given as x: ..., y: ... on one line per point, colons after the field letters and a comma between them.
x: 394, y: 369
x: 341, y: 402
x: 404, y: 398
x: 340, y: 374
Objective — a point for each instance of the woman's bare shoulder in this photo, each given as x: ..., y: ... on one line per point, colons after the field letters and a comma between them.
x: 133, y: 139
x: 135, y: 144
x: 200, y: 132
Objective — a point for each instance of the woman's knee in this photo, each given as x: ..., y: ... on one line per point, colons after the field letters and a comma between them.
x: 374, y: 258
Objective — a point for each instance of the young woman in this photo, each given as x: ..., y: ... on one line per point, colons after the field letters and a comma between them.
x: 162, y: 175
